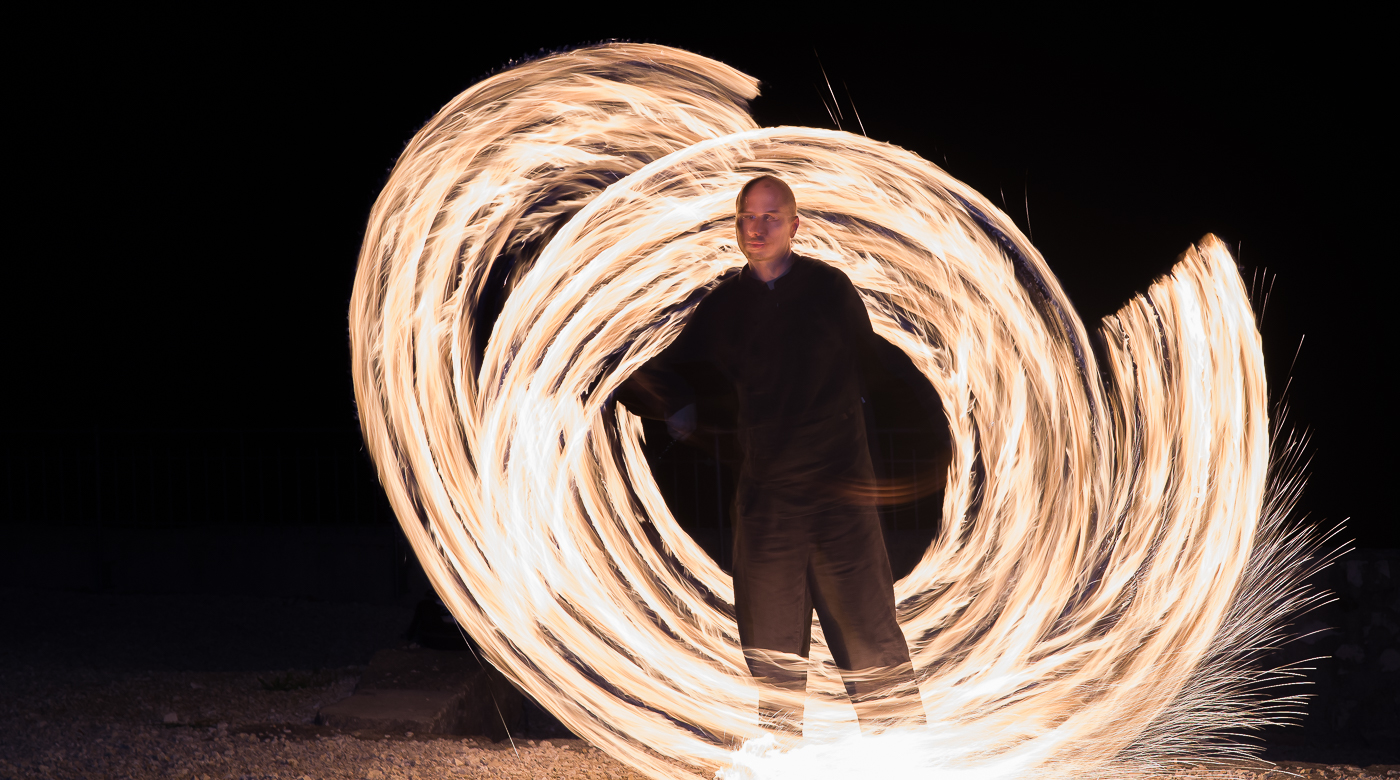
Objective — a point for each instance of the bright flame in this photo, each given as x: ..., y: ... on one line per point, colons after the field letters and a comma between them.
x: 1111, y: 552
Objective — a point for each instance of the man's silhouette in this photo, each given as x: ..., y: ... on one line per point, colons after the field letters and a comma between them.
x: 792, y: 337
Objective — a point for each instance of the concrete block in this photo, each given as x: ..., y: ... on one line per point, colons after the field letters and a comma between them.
x: 429, y: 692
x: 396, y: 712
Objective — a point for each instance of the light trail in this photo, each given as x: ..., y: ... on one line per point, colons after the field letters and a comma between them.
x: 1113, y: 550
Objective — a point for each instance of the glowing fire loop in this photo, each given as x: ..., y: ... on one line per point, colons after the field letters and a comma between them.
x: 1113, y: 548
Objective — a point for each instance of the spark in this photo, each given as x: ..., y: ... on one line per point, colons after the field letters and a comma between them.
x: 1114, y: 550
x: 1265, y: 309
x: 827, y: 106
x: 834, y: 101
x: 1026, y: 196
x: 854, y: 110
x: 1292, y: 365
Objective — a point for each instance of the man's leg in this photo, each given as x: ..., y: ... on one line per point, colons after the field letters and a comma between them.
x: 853, y: 591
x: 774, y: 611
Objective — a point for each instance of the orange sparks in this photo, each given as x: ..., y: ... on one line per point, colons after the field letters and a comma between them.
x: 1112, y: 547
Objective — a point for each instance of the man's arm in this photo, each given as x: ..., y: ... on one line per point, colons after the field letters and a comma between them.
x: 659, y: 390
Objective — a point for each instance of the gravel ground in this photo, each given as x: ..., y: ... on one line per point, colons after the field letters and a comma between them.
x: 99, y: 686
x: 195, y: 686
x: 85, y: 725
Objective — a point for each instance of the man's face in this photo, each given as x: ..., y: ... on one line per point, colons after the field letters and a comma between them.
x: 765, y: 223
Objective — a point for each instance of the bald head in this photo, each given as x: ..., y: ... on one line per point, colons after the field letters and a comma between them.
x: 766, y: 180
x: 765, y: 220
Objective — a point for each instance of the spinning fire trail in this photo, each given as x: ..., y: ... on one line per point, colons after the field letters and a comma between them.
x: 1112, y: 549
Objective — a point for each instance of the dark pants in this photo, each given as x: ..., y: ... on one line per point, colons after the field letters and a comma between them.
x: 835, y: 561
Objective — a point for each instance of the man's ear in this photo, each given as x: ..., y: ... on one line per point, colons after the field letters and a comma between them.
x: 793, y: 230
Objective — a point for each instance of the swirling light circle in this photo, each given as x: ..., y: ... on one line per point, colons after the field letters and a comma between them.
x: 1111, y: 551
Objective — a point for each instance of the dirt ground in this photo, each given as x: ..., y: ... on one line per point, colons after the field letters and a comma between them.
x: 101, y: 686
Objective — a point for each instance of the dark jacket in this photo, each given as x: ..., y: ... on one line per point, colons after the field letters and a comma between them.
x: 797, y: 352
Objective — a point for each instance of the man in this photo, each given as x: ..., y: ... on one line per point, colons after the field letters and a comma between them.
x: 792, y: 336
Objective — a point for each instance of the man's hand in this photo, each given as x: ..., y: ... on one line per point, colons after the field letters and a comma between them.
x: 681, y: 424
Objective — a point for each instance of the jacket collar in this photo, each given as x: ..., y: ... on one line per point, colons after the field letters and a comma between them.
x: 749, y: 278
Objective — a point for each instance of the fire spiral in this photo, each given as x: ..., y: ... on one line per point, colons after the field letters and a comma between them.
x: 1113, y: 548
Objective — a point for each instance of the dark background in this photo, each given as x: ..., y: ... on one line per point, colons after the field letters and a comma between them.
x: 193, y: 191
x: 189, y: 194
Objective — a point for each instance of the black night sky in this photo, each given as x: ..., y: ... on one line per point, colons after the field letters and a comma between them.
x: 194, y: 193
